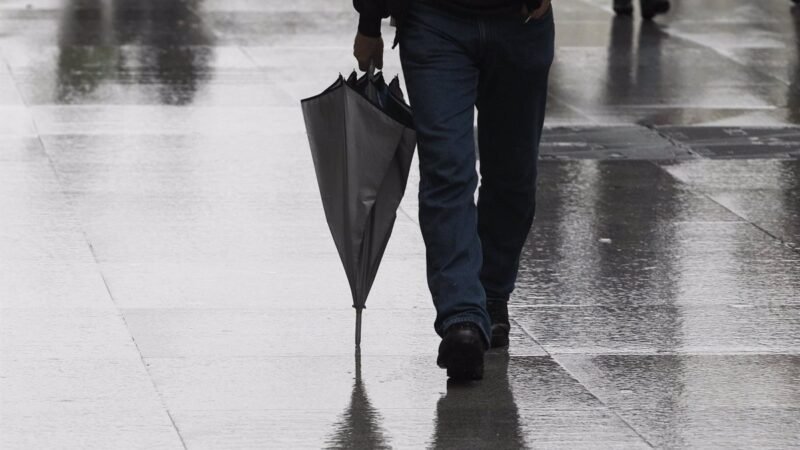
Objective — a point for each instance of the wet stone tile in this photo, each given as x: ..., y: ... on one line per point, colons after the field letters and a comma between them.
x: 729, y: 11
x: 654, y: 115
x: 159, y: 229
x: 304, y: 6
x: 160, y: 92
x: 118, y: 61
x: 699, y: 401
x: 620, y: 94
x: 303, y: 284
x: 99, y: 403
x: 607, y: 143
x: 764, y: 192
x: 618, y: 192
x: 778, y: 63
x: 736, y: 142
x: 21, y: 149
x: 52, y: 285
x: 285, y: 29
x: 580, y: 271
x: 17, y: 121
x: 165, y: 120
x: 760, y: 34
x: 669, y: 328
x: 173, y: 332
x: 9, y: 94
x: 76, y: 333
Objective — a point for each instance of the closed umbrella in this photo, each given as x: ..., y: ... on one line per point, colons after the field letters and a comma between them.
x: 362, y: 141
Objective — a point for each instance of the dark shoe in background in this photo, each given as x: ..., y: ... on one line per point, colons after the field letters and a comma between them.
x: 498, y: 312
x: 461, y: 352
x: 651, y: 8
x: 623, y: 7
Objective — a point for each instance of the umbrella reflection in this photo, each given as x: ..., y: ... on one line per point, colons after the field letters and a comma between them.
x: 359, y: 425
x: 480, y: 416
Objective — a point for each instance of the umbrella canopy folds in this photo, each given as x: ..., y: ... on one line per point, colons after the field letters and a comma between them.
x: 362, y: 141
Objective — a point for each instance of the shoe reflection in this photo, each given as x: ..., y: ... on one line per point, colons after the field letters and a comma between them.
x: 480, y: 415
x: 359, y: 425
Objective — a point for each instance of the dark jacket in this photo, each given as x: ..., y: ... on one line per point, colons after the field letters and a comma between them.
x: 372, y: 11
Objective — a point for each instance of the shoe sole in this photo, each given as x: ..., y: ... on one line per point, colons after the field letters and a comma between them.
x: 463, y: 362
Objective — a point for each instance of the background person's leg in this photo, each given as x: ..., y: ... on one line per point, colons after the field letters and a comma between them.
x: 438, y: 53
x: 511, y: 108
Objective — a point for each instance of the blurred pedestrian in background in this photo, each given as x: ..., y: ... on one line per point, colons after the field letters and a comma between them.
x: 648, y: 8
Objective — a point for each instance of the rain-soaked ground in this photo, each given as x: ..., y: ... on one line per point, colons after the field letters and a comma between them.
x: 167, y: 279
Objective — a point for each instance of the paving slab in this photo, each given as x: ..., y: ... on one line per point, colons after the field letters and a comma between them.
x: 608, y: 143
x: 173, y: 332
x: 693, y: 401
x: 736, y: 142
x: 81, y: 403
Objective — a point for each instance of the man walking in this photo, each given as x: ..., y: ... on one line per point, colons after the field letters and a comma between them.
x: 457, y: 55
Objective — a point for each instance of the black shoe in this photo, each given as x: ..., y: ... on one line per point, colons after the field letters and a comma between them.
x: 461, y: 352
x: 623, y: 7
x: 498, y: 312
x: 651, y: 8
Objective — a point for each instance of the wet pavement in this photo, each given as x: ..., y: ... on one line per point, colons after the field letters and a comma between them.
x: 167, y: 279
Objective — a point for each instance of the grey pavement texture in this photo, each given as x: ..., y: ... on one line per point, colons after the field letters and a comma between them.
x: 167, y: 279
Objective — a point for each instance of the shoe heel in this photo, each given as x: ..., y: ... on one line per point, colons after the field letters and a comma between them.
x: 500, y: 339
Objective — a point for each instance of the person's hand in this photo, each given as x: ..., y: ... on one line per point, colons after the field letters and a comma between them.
x: 368, y: 50
x: 536, y: 13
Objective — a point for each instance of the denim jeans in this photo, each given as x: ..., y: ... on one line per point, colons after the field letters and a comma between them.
x: 500, y: 65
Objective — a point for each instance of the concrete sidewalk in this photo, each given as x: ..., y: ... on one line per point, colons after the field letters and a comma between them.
x: 167, y: 278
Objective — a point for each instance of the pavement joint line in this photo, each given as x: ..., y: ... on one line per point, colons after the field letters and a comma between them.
x: 247, y: 54
x: 606, y: 405
x: 564, y: 368
x: 86, y: 239
x: 602, y: 402
x: 405, y: 213
x: 527, y: 333
x: 673, y: 142
x: 575, y: 110
x: 706, y: 195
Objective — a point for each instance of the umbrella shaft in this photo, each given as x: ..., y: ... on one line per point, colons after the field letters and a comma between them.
x: 358, y: 327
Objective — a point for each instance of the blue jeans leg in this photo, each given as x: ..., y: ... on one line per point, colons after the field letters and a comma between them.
x: 512, y: 95
x: 438, y: 53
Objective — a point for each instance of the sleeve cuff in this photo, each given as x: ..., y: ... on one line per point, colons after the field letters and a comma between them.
x: 369, y: 26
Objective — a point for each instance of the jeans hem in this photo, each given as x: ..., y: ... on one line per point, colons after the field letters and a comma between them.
x: 473, y: 318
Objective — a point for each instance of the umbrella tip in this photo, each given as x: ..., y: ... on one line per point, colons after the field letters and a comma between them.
x: 358, y: 328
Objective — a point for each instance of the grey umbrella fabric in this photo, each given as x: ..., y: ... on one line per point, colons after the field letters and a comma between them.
x: 362, y: 141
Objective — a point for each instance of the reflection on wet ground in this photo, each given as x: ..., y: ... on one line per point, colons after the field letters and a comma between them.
x: 167, y: 279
